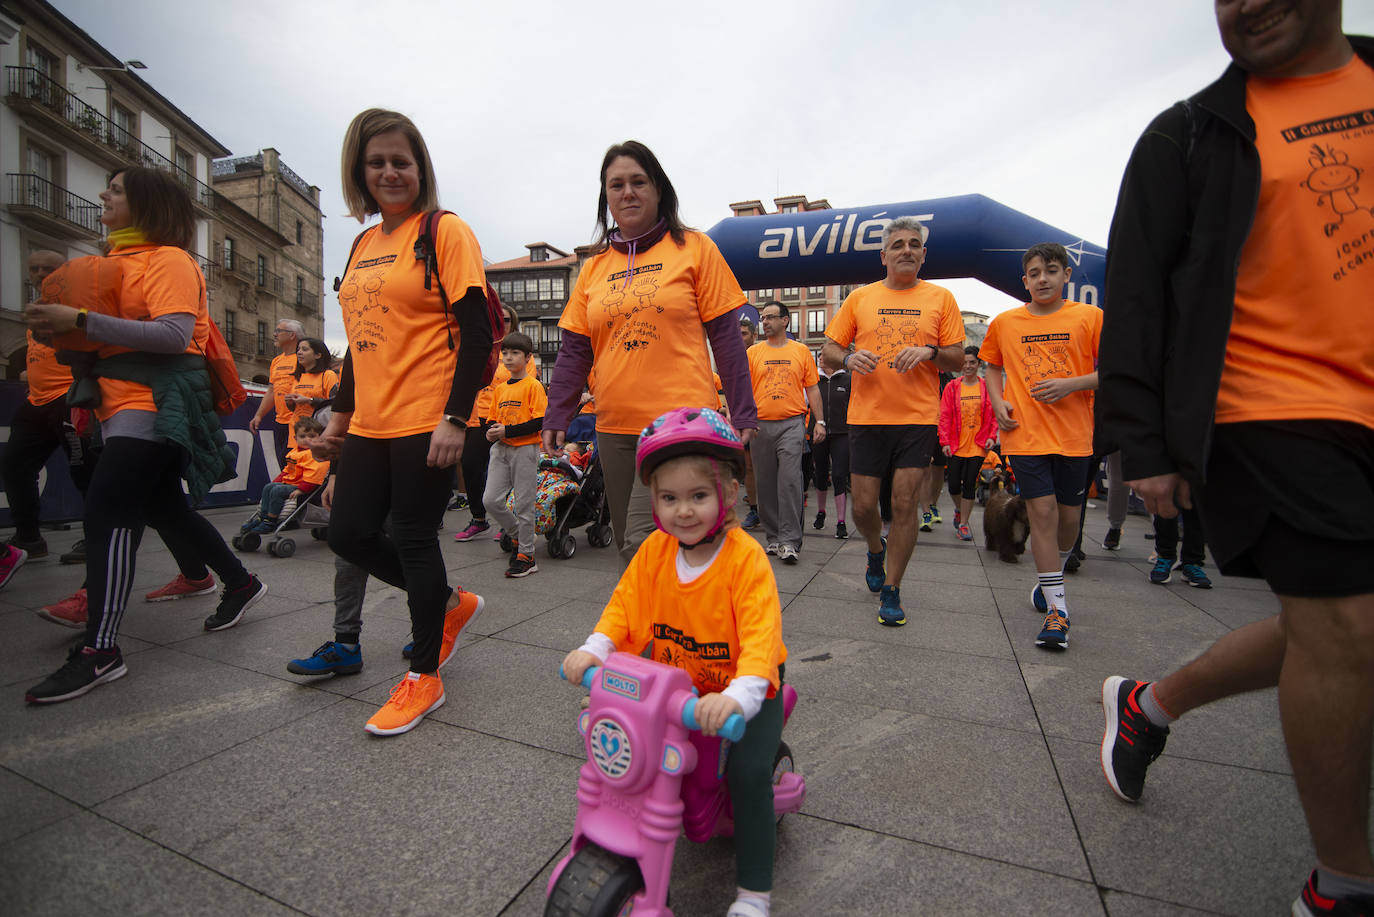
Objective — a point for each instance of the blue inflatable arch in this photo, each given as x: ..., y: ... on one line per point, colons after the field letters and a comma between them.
x: 969, y: 236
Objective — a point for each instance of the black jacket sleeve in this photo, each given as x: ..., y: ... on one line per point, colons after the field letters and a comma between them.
x: 474, y: 326
x: 343, y: 399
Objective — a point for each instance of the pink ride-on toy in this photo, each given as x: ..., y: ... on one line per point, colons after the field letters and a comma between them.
x: 650, y: 775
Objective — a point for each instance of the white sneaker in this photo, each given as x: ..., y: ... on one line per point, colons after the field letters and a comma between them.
x: 772, y: 548
x: 787, y: 554
x: 744, y: 907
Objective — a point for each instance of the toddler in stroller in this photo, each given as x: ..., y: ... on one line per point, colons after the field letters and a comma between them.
x: 281, y: 505
x: 571, y: 492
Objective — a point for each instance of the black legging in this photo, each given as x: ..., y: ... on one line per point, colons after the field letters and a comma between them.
x: 137, y: 483
x: 389, y: 476
x: 476, y: 453
x: 36, y: 431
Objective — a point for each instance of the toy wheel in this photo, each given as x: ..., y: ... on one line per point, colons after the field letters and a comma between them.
x: 595, y: 883
x: 567, y: 546
x: 250, y: 541
x: 284, y: 547
x: 782, y: 764
x: 599, y: 536
x: 320, y: 534
x: 507, y: 543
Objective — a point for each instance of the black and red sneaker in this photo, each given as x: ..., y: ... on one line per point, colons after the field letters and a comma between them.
x: 1130, y: 742
x: 1312, y: 903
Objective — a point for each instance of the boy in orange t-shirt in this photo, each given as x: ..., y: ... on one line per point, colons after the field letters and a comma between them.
x: 1042, y: 368
x: 516, y: 415
x: 300, y: 476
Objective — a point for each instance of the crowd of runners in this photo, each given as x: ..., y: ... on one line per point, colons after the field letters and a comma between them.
x: 1229, y: 379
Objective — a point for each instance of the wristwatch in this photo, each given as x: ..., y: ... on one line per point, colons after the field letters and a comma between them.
x: 455, y: 420
x: 934, y: 350
x: 81, y: 318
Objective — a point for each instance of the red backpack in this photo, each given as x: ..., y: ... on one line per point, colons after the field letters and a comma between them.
x: 427, y: 250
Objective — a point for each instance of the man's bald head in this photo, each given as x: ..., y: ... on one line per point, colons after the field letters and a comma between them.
x: 42, y: 263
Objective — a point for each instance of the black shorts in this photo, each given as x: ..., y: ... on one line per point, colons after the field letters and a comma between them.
x: 1292, y: 503
x: 1063, y: 476
x: 876, y: 448
x: 937, y: 457
x: 963, y: 475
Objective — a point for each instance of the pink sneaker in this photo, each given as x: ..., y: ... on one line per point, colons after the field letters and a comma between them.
x: 474, y: 529
x: 181, y: 587
x: 70, y: 612
x: 10, y: 562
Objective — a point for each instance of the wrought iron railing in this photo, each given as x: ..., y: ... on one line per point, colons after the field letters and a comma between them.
x: 209, y: 268
x: 32, y: 85
x: 40, y: 194
x: 254, y: 163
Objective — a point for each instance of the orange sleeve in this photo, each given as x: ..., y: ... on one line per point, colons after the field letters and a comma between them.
x: 842, y: 327
x: 574, y: 317
x: 718, y: 292
x: 623, y: 620
x: 810, y: 375
x: 990, y: 351
x: 951, y: 324
x: 460, y: 257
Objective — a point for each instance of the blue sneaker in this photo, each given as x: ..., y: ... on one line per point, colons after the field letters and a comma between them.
x: 408, y: 650
x: 1038, y: 599
x: 1162, y: 574
x: 1054, y: 635
x: 330, y: 659
x: 875, y: 575
x: 751, y: 520
x: 925, y: 521
x: 890, y: 607
x: 935, y: 514
x: 1194, y: 576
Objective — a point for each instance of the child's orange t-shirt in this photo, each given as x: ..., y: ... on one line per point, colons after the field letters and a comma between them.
x: 887, y: 321
x: 1032, y: 348
x: 725, y: 623
x: 302, y: 467
x: 648, y: 331
x: 517, y: 401
x: 1302, y: 340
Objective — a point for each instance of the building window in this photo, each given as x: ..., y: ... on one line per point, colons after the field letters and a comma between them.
x: 38, y: 57
x: 791, y: 292
x: 262, y: 338
x: 559, y: 288
x: 531, y: 288
x: 300, y: 233
x: 530, y: 330
x: 765, y: 295
x: 41, y: 164
x: 815, y: 322
x: 262, y: 271
x: 300, y: 290
x: 503, y: 288
x: 815, y: 291
x: 552, y: 335
x: 546, y: 288
x: 125, y: 125
x: 228, y: 253
x: 186, y: 166
x: 229, y: 327
x: 788, y: 208
x: 793, y: 322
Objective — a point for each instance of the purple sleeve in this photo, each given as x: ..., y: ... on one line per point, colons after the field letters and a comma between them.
x: 569, y: 376
x: 733, y: 365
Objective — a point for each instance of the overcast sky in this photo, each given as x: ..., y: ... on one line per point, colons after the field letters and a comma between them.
x: 1034, y: 105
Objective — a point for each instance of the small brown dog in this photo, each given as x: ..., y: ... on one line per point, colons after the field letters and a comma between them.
x: 1005, y: 523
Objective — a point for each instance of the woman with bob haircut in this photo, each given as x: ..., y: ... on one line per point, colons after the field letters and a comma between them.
x: 405, y: 391
x: 644, y: 307
x: 316, y: 382
x: 154, y: 341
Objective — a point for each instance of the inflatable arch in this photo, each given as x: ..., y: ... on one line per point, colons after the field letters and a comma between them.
x: 970, y: 236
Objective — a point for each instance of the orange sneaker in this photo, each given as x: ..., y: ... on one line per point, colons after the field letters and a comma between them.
x: 463, y: 608
x: 70, y: 612
x: 182, y: 587
x: 414, y: 697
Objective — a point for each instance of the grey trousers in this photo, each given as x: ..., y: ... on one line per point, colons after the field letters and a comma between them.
x: 513, y: 469
x: 777, y: 452
x: 632, y: 517
x: 350, y: 588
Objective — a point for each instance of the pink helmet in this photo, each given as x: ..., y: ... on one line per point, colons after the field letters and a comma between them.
x: 688, y: 431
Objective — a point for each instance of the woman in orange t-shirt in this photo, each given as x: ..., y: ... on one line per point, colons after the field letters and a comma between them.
x: 414, y: 366
x: 160, y: 310
x: 315, y: 383
x: 645, y: 305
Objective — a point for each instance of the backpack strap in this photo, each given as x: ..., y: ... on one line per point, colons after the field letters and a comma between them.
x: 338, y: 281
x: 427, y: 250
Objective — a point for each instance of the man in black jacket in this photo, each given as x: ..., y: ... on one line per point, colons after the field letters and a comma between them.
x: 1237, y: 367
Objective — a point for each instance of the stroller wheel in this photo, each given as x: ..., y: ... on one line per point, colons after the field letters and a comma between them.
x: 599, y: 536
x: 282, y: 547
x: 555, y: 546
x: 250, y: 541
x: 567, y: 546
x: 236, y: 542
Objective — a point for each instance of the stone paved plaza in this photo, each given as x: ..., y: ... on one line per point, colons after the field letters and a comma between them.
x: 952, y: 767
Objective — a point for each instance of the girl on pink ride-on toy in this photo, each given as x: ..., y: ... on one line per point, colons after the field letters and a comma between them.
x: 702, y: 593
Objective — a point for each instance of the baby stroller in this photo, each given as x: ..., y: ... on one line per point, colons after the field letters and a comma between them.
x: 295, y: 514
x: 566, y: 497
x: 988, y: 475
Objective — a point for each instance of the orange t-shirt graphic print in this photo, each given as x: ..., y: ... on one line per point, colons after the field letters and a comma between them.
x: 398, y: 331
x: 647, y: 330
x: 781, y: 376
x: 970, y: 418
x: 1302, y: 341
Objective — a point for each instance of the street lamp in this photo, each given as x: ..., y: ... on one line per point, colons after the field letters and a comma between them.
x: 127, y: 65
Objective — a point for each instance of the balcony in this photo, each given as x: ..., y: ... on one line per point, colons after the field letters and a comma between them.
x: 269, y: 282
x: 209, y: 268
x: 307, y: 301
x: 243, y: 343
x: 52, y: 208
x: 30, y: 89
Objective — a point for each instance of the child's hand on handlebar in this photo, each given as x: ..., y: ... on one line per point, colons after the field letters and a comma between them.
x: 576, y: 663
x: 713, y: 710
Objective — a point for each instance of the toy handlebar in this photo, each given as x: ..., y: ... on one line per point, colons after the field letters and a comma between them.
x: 732, y: 730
